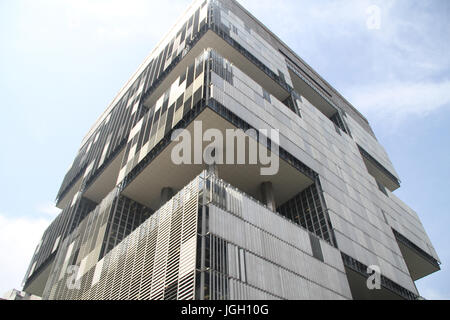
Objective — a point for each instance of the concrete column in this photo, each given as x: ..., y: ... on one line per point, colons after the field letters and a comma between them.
x: 268, y: 195
x: 166, y: 195
x: 213, y: 168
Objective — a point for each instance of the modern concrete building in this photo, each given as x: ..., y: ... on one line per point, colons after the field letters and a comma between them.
x: 135, y: 224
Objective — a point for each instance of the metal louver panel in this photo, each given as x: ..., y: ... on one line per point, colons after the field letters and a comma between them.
x: 156, y: 261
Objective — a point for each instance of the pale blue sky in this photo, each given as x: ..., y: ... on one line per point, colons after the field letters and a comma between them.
x: 62, y: 62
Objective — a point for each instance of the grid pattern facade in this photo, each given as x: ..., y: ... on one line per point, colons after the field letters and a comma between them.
x: 110, y: 133
x: 306, y: 210
x: 255, y: 253
x: 125, y: 251
x: 162, y: 258
x: 108, y: 224
x: 352, y: 195
x: 181, y: 97
x: 64, y: 224
x: 156, y: 261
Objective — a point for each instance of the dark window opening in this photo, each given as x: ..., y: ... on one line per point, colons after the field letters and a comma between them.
x: 315, y: 247
x: 291, y: 103
x: 306, y: 209
x: 339, y: 122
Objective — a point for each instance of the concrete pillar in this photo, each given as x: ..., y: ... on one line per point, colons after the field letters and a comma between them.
x: 268, y: 196
x: 213, y: 168
x: 166, y: 195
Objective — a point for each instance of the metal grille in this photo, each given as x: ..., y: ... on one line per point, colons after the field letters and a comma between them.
x: 156, y: 261
x: 306, y: 210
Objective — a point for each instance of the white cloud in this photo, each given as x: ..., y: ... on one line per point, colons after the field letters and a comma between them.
x: 48, y: 208
x: 84, y: 24
x: 121, y: 19
x: 18, y: 240
x: 398, y: 100
x: 433, y: 294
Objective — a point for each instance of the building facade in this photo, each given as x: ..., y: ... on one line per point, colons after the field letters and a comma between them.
x: 135, y: 224
x: 14, y: 294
